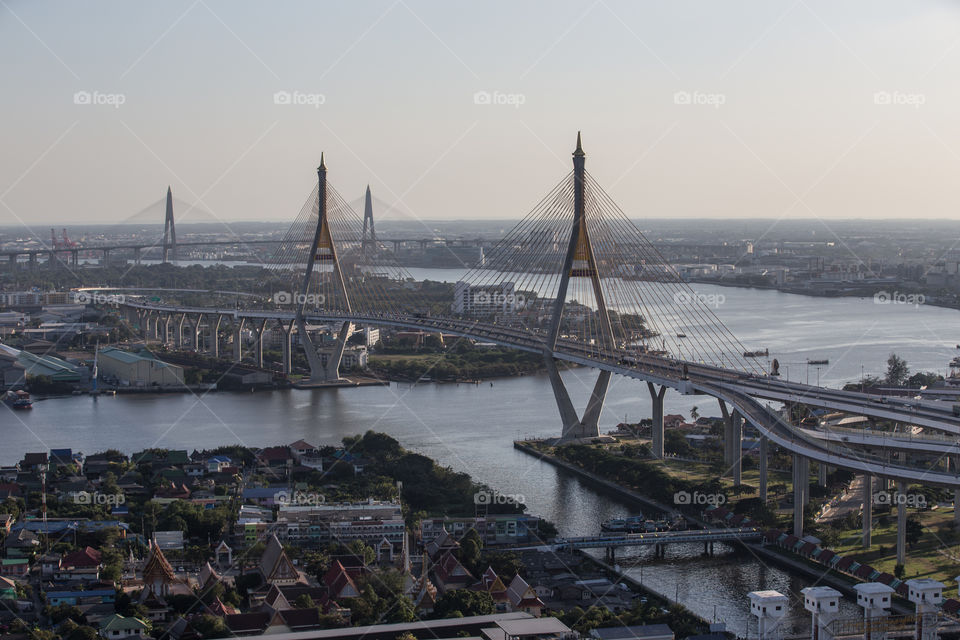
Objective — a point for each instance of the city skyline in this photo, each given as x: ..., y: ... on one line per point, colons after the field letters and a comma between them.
x: 802, y: 111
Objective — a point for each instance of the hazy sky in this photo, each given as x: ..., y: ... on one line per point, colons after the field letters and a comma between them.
x: 688, y: 109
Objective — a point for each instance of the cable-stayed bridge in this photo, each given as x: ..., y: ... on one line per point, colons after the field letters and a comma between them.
x: 575, y: 281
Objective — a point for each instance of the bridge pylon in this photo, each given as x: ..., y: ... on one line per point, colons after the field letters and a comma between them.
x: 323, y: 251
x: 579, y: 262
x: 368, y: 245
x: 169, y: 231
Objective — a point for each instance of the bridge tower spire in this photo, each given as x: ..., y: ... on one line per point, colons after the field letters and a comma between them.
x: 324, y: 251
x: 579, y: 262
x: 371, y: 243
x: 169, y: 231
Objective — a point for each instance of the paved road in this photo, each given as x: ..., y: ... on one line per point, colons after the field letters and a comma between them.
x: 849, y: 501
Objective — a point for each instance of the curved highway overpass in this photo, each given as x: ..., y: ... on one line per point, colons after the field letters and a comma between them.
x: 740, y: 390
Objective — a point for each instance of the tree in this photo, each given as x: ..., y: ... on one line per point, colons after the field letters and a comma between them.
x: 304, y: 601
x: 899, y: 571
x: 924, y: 379
x: 361, y: 549
x: 914, y: 530
x: 897, y: 370
x: 470, y: 548
x: 83, y: 633
x: 465, y: 603
x: 694, y: 414
x: 676, y: 443
x: 210, y: 626
x: 316, y: 563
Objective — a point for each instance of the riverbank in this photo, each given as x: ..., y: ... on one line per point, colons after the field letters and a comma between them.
x: 820, y: 575
x: 863, y: 293
x: 597, y: 482
x: 639, y: 587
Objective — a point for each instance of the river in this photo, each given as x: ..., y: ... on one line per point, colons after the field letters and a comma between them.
x: 471, y: 427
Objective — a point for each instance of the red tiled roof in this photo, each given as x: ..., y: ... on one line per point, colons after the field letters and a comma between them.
x: 863, y: 571
x: 337, y: 580
x: 88, y: 557
x: 275, y: 453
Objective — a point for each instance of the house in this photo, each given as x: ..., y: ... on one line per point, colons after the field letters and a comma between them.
x: 635, y: 632
x: 16, y: 567
x: 302, y: 448
x: 292, y: 620
x: 8, y: 589
x: 78, y: 597
x: 279, y: 597
x: 118, y: 626
x: 83, y: 564
x: 275, y: 566
x: 248, y: 624
x: 21, y: 543
x: 275, y: 457
x: 673, y: 421
x: 528, y: 629
x: 492, y: 584
x: 265, y: 496
x: 34, y: 461
x: 339, y: 582
x: 216, y: 464
x: 450, y: 574
x: 443, y: 543
x: 523, y: 597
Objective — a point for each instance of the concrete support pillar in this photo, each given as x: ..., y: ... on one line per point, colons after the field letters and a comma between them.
x: 237, y: 333
x: 656, y: 428
x: 165, y: 324
x: 797, y: 496
x: 259, y: 330
x: 822, y: 474
x: 568, y: 415
x: 901, y: 522
x: 285, y: 344
x: 727, y: 459
x: 867, y: 510
x: 805, y: 475
x: 179, y: 331
x: 214, y: 345
x: 195, y: 333
x: 764, y: 446
x: 736, y: 447
x: 955, y: 465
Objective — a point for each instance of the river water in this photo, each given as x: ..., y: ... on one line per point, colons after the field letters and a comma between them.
x: 471, y: 427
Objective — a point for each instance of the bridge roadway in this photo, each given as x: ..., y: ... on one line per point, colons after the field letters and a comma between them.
x: 939, y: 444
x: 653, y: 538
x: 735, y: 388
x: 158, y: 245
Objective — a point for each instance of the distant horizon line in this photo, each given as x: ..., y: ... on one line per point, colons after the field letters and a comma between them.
x: 476, y: 220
